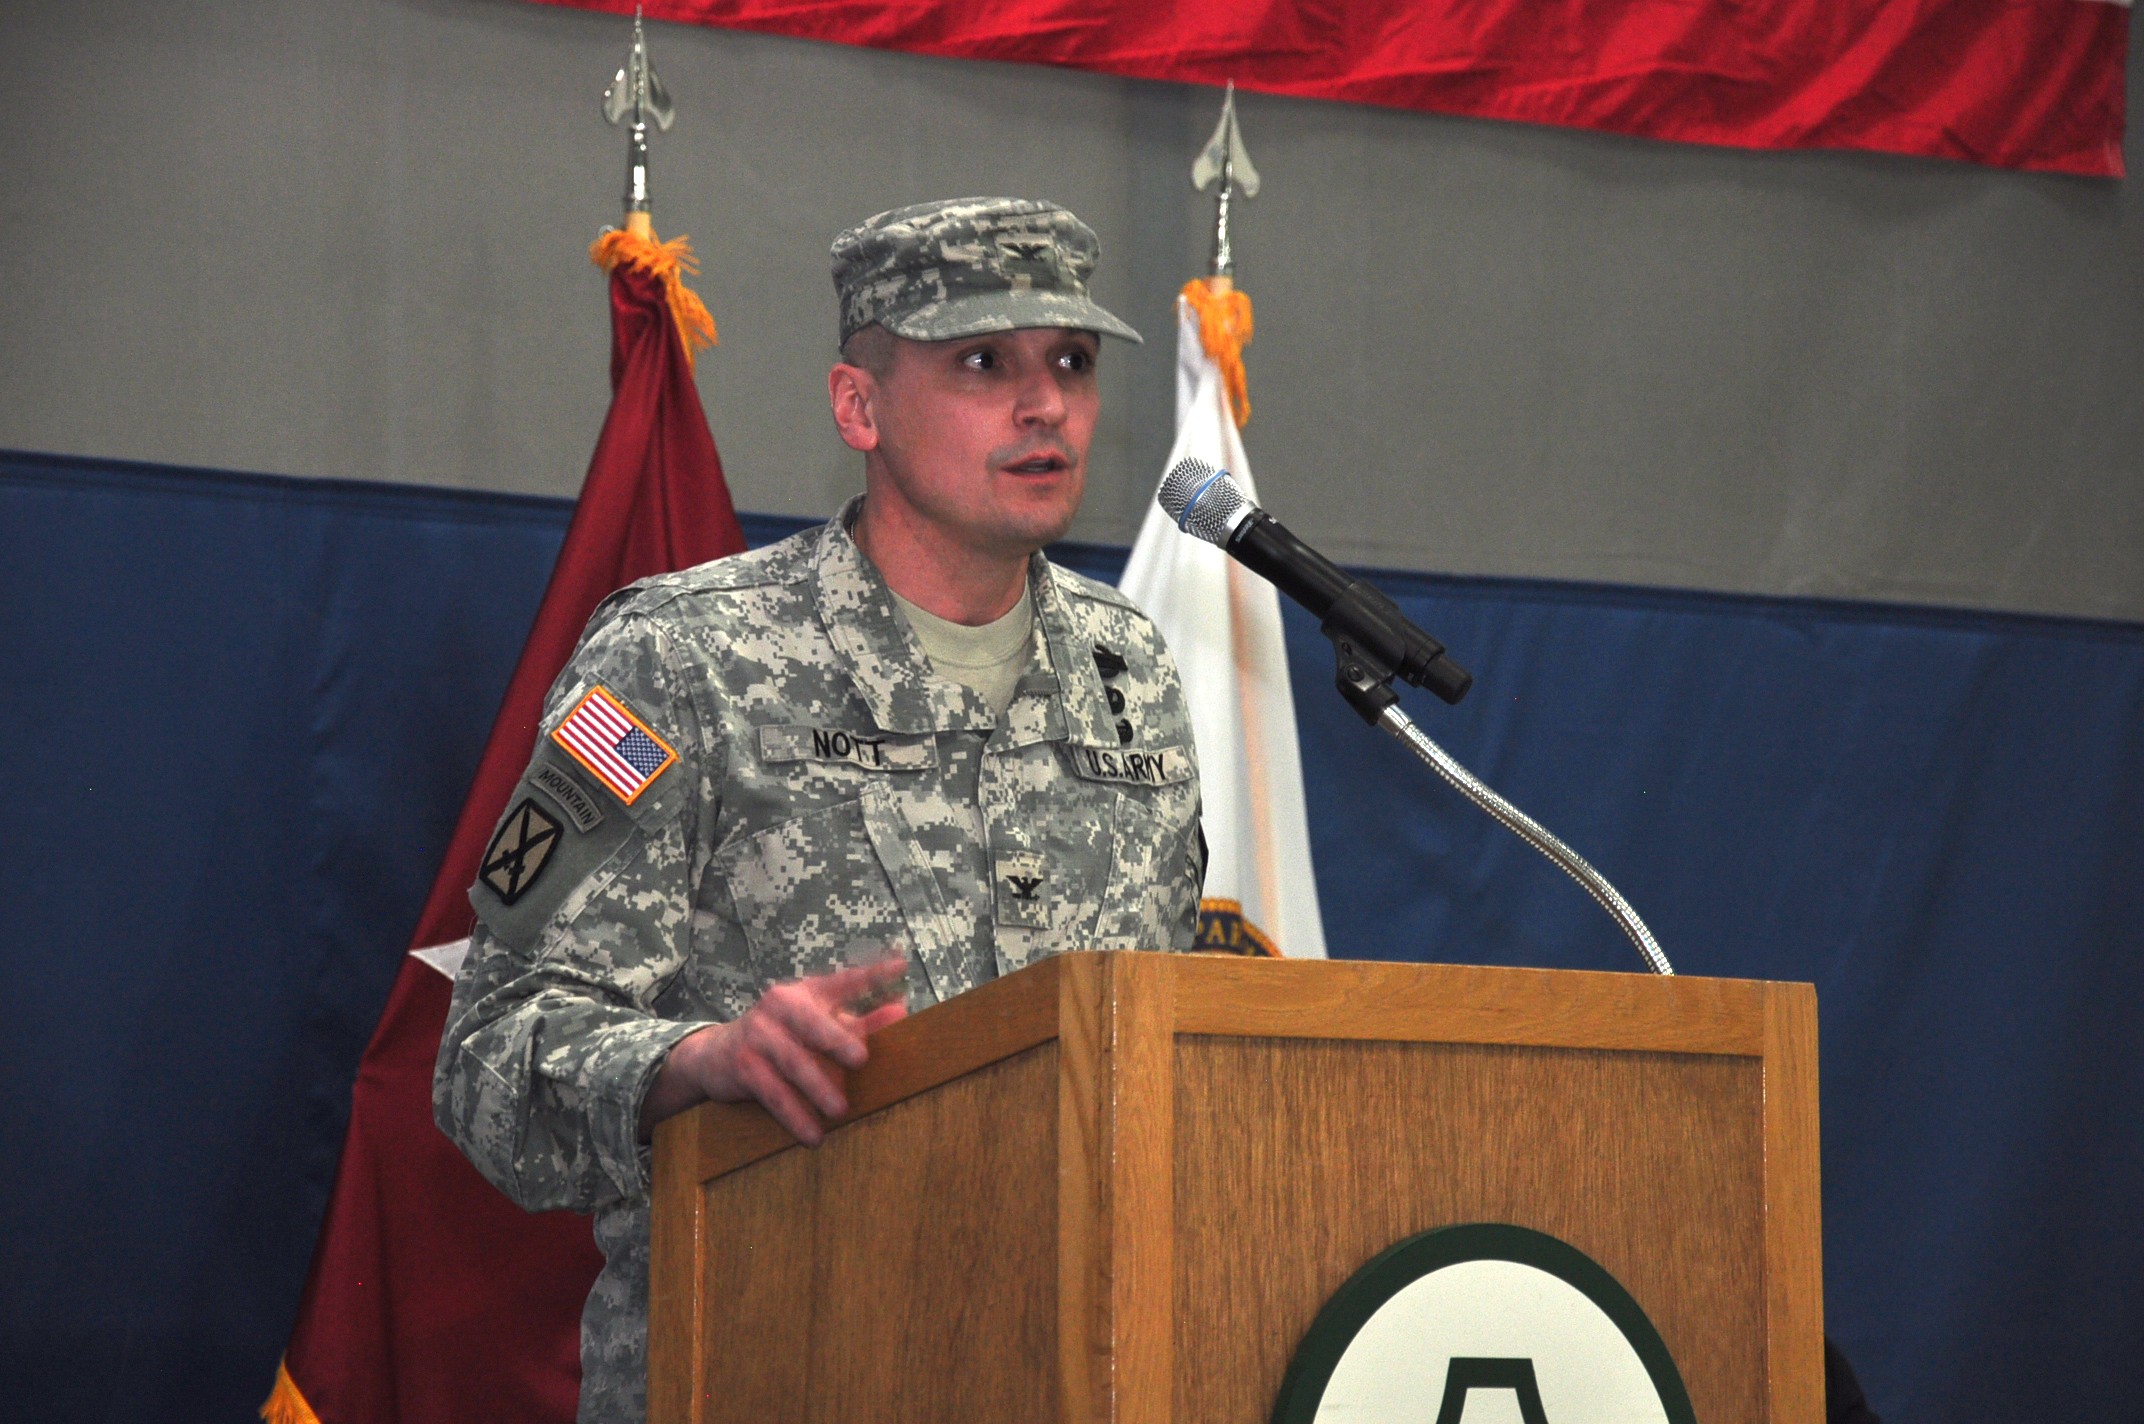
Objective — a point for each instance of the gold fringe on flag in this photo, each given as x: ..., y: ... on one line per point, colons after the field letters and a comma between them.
x: 285, y: 1405
x: 1224, y: 330
x: 669, y: 263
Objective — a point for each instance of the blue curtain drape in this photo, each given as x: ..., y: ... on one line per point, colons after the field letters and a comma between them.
x: 238, y: 713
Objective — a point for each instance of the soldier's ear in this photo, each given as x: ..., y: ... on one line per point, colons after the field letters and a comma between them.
x: 853, y: 393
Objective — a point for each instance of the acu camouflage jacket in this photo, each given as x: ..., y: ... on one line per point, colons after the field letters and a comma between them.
x: 793, y: 790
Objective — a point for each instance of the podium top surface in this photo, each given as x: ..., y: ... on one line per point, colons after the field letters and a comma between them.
x: 1229, y: 996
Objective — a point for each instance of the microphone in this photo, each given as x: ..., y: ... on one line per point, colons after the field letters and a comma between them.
x: 1375, y: 641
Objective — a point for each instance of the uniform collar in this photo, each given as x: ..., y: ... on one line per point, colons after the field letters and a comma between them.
x: 891, y: 672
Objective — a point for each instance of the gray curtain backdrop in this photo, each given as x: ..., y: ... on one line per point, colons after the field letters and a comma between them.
x: 346, y: 239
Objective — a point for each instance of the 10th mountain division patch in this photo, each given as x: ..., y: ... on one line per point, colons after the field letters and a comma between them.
x: 520, y: 850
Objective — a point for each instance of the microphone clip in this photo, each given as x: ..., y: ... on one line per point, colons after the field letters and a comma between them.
x: 1373, y: 642
x: 1363, y: 679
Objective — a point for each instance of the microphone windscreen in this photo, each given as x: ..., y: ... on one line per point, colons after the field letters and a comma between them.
x: 1202, y: 500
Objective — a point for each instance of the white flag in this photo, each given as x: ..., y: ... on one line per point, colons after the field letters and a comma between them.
x: 1223, y: 624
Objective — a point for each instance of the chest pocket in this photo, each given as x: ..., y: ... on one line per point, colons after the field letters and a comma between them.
x: 815, y: 893
x: 838, y: 883
x: 1151, y: 892
x: 1152, y: 897
x: 1098, y: 860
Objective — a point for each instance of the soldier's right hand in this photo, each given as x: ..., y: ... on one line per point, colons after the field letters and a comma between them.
x: 786, y: 1052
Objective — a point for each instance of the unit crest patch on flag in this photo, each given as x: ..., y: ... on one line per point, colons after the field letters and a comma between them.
x: 520, y: 851
x: 622, y: 751
x: 1224, y: 929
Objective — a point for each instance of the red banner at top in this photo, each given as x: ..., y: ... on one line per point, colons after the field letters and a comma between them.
x: 2034, y: 84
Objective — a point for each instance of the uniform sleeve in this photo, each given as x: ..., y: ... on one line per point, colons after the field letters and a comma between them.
x: 1184, y: 932
x: 583, y: 916
x: 1187, y: 930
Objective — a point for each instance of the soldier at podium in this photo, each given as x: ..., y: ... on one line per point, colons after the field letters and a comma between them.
x: 902, y: 750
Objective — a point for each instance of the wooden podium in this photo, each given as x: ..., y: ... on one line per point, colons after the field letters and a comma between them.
x: 1119, y: 1187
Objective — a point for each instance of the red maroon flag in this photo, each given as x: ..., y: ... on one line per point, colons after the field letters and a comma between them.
x: 2034, y: 84
x: 432, y: 1297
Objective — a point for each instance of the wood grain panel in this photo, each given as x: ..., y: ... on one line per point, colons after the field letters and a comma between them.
x: 677, y: 1232
x: 1084, y: 1339
x: 1142, y: 1147
x: 756, y: 1253
x: 1298, y: 1161
x: 1457, y: 1003
x: 1116, y: 1189
x: 1794, y: 1210
x: 944, y: 1304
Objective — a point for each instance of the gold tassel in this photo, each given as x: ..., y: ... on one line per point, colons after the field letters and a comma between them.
x: 669, y: 263
x: 1224, y: 330
x: 285, y: 1405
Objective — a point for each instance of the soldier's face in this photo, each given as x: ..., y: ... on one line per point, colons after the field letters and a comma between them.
x: 985, y: 438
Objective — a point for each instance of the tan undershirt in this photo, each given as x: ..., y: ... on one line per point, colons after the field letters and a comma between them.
x: 989, y: 658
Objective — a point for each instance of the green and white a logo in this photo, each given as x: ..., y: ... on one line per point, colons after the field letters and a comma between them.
x: 1484, y: 1324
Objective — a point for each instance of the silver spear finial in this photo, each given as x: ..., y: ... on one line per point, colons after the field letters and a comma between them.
x: 1225, y: 166
x: 637, y: 93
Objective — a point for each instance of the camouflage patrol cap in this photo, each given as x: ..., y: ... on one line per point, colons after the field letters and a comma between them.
x: 963, y: 266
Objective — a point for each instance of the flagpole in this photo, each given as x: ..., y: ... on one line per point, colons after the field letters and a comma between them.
x: 1253, y: 724
x: 1227, y: 143
x: 636, y: 98
x: 637, y: 93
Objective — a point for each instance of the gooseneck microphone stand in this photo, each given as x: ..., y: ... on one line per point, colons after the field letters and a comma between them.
x: 1367, y: 686
x: 1373, y: 642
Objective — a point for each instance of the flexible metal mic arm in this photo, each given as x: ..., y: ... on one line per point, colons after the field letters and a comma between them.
x: 1372, y: 644
x: 1367, y: 686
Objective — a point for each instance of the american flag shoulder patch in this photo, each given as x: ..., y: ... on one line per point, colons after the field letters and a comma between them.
x: 623, y: 752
